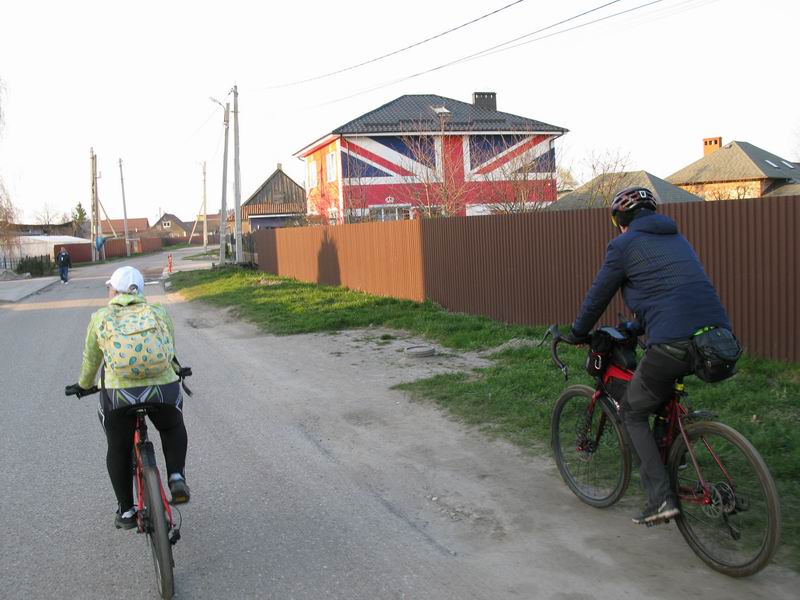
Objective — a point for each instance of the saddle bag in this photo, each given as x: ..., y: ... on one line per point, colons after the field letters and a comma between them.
x: 714, y: 353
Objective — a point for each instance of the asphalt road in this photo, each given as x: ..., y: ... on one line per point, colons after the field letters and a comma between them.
x: 311, y: 479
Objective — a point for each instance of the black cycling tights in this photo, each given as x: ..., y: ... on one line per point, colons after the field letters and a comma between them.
x: 119, y: 432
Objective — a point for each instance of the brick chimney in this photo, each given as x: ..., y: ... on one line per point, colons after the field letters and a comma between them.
x: 280, y: 167
x: 487, y: 100
x: 711, y: 145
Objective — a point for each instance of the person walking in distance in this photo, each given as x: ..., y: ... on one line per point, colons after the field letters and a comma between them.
x: 132, y: 343
x: 63, y: 262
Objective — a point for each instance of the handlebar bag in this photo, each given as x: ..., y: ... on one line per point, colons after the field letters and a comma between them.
x: 714, y: 354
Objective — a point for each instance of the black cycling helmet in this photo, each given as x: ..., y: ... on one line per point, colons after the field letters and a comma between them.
x: 628, y: 201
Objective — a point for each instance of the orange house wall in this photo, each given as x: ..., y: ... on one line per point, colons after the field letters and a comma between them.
x: 325, y: 195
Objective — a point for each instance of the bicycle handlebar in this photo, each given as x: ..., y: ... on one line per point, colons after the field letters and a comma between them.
x: 75, y: 390
x: 558, y: 337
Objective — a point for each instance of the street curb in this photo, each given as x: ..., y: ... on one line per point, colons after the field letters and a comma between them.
x: 31, y: 293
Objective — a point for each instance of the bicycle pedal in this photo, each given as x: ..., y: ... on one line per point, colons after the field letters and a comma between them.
x: 174, y: 536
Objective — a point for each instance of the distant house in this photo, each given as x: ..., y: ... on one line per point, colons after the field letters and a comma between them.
x: 737, y: 170
x: 136, y: 226
x: 601, y: 190
x: 66, y: 228
x: 277, y: 202
x: 428, y: 155
x: 168, y: 225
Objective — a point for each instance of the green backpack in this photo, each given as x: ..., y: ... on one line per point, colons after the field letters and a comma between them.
x: 135, y: 341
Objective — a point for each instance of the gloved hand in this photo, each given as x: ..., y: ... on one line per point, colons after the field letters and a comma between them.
x: 76, y: 390
x: 575, y: 339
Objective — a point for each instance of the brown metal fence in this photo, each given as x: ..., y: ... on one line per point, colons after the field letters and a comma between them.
x: 535, y: 268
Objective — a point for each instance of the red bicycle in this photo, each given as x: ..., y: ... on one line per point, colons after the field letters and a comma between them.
x: 154, y: 515
x: 730, y: 510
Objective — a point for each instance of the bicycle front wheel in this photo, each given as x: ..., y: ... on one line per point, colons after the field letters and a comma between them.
x: 589, y: 449
x: 157, y: 530
x: 733, y: 524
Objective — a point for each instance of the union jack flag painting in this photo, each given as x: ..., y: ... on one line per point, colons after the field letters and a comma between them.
x: 473, y: 162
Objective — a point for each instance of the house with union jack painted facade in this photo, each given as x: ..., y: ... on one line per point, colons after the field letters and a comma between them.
x: 427, y: 155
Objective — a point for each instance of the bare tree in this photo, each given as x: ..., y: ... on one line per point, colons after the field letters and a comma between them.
x: 354, y: 186
x: 739, y: 191
x: 8, y: 216
x: 523, y: 179
x: 8, y: 212
x: 608, y: 169
x: 47, y: 215
x: 439, y: 187
x: 565, y: 180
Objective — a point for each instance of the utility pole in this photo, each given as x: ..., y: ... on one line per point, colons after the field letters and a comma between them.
x: 237, y: 177
x: 205, y: 212
x: 124, y: 211
x: 223, y: 216
x: 94, y: 228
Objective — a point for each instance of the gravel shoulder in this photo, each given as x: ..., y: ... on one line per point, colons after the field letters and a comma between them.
x: 498, y: 515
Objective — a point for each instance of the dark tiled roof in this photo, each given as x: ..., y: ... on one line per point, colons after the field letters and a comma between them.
x: 735, y: 161
x: 594, y: 193
x: 792, y: 188
x: 415, y: 112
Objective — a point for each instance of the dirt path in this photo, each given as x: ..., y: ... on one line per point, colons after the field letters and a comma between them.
x: 499, y: 513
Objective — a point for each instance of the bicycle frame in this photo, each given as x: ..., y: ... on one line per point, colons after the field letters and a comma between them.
x: 676, y: 412
x: 145, y: 454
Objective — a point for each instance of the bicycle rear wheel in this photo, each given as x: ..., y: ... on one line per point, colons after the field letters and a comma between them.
x: 589, y: 449
x: 733, y: 525
x: 157, y: 530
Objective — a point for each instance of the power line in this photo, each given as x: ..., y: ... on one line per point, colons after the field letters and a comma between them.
x: 388, y: 54
x: 501, y: 47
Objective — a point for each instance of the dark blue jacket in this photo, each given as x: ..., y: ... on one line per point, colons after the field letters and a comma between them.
x: 662, y: 281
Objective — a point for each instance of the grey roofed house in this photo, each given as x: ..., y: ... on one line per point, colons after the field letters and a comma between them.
x: 601, y: 189
x: 736, y: 161
x: 418, y: 112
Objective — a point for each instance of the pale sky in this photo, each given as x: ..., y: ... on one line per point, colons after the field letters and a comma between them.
x: 133, y: 81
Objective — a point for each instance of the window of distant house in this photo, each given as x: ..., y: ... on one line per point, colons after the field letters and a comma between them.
x: 788, y: 164
x: 330, y: 166
x: 312, y: 174
x: 333, y: 216
x: 166, y: 224
x: 389, y: 213
x: 770, y: 163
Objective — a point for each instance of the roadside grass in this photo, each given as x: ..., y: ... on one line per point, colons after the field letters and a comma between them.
x: 285, y: 306
x: 513, y: 397
x: 202, y: 255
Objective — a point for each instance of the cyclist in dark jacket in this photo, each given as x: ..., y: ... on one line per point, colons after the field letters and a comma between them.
x: 665, y: 286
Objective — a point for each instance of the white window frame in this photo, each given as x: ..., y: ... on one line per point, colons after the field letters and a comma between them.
x: 333, y: 216
x: 402, y: 212
x: 166, y: 224
x: 312, y: 173
x: 330, y: 166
